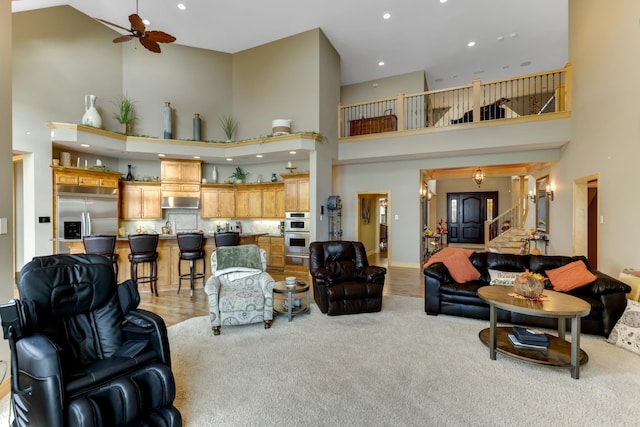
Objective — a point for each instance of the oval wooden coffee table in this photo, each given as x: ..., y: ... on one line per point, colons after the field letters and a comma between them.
x: 558, y: 305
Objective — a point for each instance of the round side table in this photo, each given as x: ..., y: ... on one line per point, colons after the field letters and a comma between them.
x: 288, y: 292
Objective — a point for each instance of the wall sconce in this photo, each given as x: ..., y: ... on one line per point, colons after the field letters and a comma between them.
x: 549, y: 191
x: 532, y: 196
x: 478, y: 177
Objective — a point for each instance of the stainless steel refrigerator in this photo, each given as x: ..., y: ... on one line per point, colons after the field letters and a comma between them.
x: 82, y: 211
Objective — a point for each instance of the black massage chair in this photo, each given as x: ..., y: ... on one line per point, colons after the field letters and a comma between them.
x: 82, y: 354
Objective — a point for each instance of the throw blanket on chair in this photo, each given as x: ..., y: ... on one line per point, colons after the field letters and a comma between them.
x: 243, y: 258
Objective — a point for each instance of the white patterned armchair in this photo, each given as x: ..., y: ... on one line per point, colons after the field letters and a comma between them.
x: 240, y: 290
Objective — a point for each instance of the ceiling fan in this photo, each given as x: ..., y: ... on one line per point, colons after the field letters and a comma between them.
x: 148, y: 39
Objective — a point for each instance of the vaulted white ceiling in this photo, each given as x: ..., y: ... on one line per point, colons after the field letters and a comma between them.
x: 512, y: 37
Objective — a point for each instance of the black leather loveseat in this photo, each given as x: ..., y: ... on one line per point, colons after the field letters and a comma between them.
x: 606, y: 295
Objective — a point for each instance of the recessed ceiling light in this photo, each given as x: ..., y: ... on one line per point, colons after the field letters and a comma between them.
x: 229, y: 159
x: 525, y: 63
x: 471, y: 44
x: 160, y: 155
x: 381, y: 63
x: 500, y: 38
x: 443, y: 1
x: 259, y: 155
x: 196, y: 157
x: 85, y: 145
x: 292, y: 152
x: 181, y: 6
x: 387, y: 15
x: 513, y: 35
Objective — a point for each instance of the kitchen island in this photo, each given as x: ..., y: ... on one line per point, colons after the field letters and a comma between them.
x: 168, y: 255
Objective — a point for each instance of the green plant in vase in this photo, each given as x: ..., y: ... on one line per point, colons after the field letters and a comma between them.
x: 229, y: 126
x: 239, y: 175
x: 125, y: 114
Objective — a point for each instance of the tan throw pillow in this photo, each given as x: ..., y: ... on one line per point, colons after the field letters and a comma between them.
x: 570, y: 276
x: 631, y: 278
x: 504, y: 278
x: 626, y: 333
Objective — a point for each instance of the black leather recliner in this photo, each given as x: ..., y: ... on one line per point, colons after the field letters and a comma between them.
x: 343, y: 280
x: 82, y: 353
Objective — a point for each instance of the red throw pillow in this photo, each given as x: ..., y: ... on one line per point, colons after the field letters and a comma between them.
x: 570, y: 276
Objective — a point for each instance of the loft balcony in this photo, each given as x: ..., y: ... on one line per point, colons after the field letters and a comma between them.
x: 523, y: 113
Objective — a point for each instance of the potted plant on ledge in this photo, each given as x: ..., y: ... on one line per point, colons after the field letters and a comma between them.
x: 229, y: 126
x: 239, y: 175
x: 126, y: 114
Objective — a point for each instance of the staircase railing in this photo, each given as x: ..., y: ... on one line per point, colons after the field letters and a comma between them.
x: 513, y: 217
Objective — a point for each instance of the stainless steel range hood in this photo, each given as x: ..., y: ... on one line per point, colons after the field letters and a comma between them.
x: 177, y: 202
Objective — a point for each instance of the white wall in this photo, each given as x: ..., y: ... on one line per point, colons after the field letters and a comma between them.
x: 6, y: 189
x: 604, y: 50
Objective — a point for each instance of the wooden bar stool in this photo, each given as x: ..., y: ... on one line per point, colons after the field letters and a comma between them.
x: 102, y: 244
x: 144, y: 250
x: 190, y: 245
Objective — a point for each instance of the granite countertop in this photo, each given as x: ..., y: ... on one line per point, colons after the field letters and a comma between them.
x: 166, y: 237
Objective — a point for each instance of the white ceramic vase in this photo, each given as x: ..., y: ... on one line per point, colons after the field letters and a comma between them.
x: 214, y: 175
x: 91, y: 116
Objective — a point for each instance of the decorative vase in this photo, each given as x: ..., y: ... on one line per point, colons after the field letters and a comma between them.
x: 167, y: 121
x: 197, y: 125
x: 91, y: 116
x: 129, y: 174
x: 214, y: 175
x: 274, y: 178
x: 528, y: 286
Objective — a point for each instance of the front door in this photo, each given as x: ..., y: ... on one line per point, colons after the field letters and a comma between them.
x: 466, y: 214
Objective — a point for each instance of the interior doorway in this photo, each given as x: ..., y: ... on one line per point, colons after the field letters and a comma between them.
x: 586, y: 212
x: 373, y: 225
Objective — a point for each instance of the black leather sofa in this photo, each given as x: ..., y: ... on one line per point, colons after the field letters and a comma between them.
x: 82, y: 353
x: 606, y: 295
x: 343, y: 280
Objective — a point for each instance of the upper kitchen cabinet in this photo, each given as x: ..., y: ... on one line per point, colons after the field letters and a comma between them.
x: 249, y: 201
x: 181, y: 178
x: 85, y: 177
x: 140, y: 200
x: 218, y: 201
x: 296, y: 192
x: 273, y: 201
x: 181, y: 171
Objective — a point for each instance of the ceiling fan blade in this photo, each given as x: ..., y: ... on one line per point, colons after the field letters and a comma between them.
x: 136, y: 22
x: 150, y: 44
x: 124, y: 38
x: 159, y: 36
x: 113, y: 25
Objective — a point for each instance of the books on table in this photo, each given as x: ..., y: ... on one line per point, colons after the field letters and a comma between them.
x: 517, y: 343
x: 528, y: 337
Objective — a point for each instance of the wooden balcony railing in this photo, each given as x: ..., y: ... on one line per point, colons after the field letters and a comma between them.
x: 533, y: 94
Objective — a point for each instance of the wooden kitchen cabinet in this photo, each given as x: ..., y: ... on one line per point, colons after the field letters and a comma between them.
x: 274, y: 247
x: 85, y: 177
x: 249, y: 201
x: 140, y: 201
x: 273, y: 201
x: 181, y: 171
x: 218, y: 202
x: 296, y: 192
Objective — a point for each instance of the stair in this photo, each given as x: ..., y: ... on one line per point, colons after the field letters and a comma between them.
x: 509, y: 242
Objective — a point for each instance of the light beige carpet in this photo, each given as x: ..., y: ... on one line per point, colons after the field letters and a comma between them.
x: 398, y: 367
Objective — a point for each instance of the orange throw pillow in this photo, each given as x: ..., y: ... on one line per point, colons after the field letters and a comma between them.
x: 441, y: 255
x: 570, y: 276
x: 457, y: 262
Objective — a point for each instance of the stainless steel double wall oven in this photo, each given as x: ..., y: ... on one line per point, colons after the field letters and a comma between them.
x: 296, y: 238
